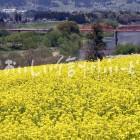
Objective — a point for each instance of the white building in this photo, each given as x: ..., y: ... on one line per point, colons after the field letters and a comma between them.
x: 8, y: 11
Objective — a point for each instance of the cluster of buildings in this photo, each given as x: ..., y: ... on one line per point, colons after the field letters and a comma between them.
x: 11, y: 16
x: 12, y: 10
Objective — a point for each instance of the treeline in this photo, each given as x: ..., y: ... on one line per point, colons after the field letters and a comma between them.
x: 3, y: 15
x: 66, y: 37
x: 43, y: 48
x: 114, y: 18
x: 122, y: 17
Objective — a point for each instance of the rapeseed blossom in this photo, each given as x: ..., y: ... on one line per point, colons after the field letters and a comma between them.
x: 75, y: 101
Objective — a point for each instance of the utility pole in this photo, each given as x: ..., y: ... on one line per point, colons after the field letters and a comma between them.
x: 116, y: 37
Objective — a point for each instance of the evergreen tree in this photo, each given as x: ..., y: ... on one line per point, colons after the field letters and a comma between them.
x: 96, y: 43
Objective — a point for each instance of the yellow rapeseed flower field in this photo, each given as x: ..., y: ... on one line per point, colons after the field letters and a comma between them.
x: 74, y: 101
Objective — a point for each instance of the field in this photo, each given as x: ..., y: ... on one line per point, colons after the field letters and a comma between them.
x: 74, y: 101
x: 38, y: 25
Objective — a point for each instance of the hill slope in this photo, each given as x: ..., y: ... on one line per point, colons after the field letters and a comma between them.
x: 12, y: 3
x: 72, y: 4
x: 81, y: 100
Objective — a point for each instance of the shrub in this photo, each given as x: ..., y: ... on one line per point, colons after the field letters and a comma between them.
x: 3, y: 33
x: 127, y: 49
x: 26, y: 40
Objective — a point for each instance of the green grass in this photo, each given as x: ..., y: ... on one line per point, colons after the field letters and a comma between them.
x: 108, y: 34
x: 38, y: 25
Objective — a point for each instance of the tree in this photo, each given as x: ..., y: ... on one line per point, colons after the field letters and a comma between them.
x: 51, y: 39
x: 66, y: 37
x: 79, y: 18
x: 18, y: 18
x: 96, y: 43
x: 68, y: 27
x: 2, y: 23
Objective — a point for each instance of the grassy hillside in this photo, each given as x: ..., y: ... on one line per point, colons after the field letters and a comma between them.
x: 78, y: 101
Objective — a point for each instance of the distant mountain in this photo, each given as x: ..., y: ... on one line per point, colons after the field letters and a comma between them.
x: 9, y: 3
x: 64, y: 5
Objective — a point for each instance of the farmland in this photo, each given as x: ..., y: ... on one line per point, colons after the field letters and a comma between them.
x: 78, y: 101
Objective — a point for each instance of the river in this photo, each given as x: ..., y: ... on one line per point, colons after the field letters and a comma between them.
x: 124, y: 38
